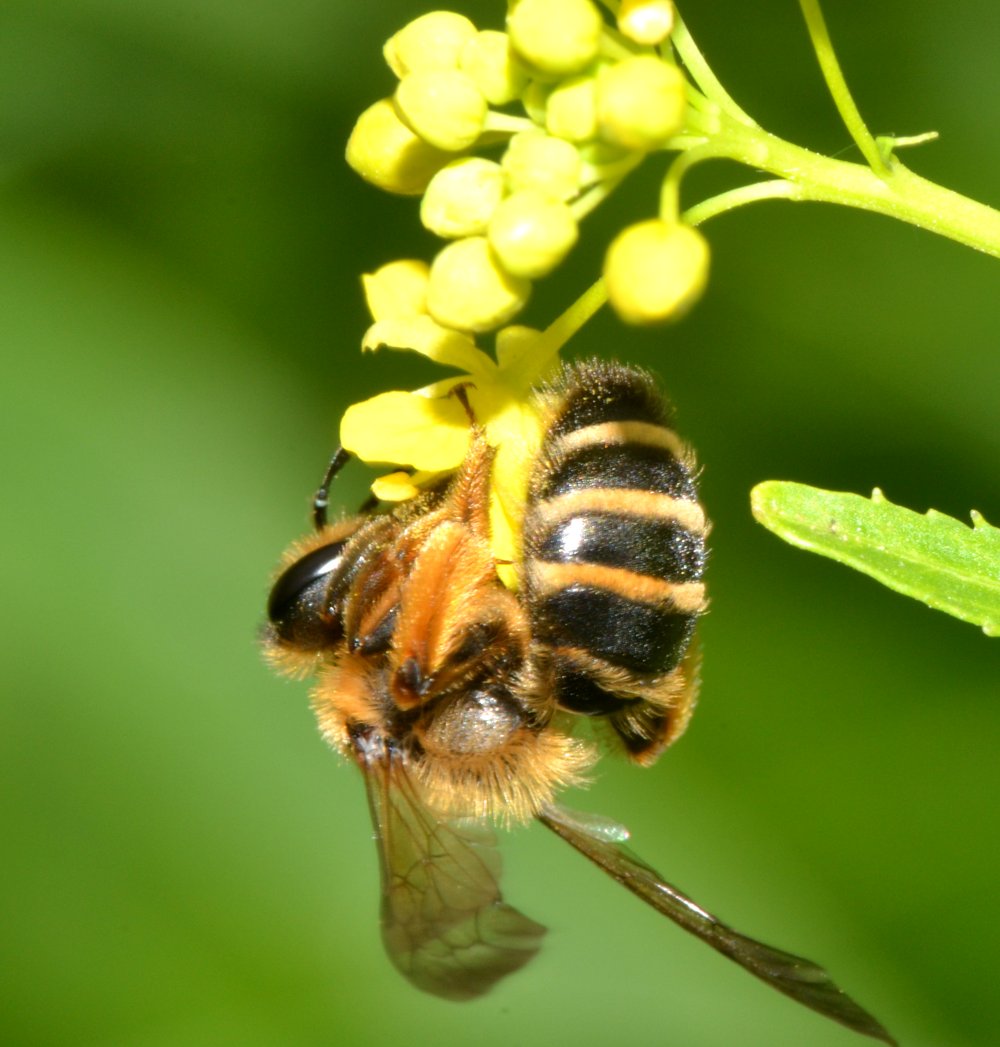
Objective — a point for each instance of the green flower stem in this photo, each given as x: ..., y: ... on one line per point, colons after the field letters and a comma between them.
x: 700, y: 72
x: 562, y: 329
x: 835, y: 81
x: 718, y: 127
x: 615, y: 46
x: 775, y: 189
x: 611, y: 177
x: 670, y: 190
x: 592, y: 174
x: 899, y: 193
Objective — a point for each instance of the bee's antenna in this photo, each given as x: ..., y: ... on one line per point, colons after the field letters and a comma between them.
x: 321, y: 499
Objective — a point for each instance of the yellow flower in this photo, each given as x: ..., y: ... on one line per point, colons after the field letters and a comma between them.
x: 427, y: 430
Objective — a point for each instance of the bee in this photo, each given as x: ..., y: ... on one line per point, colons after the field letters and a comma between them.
x: 458, y: 697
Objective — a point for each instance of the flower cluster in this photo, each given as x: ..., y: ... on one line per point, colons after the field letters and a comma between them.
x: 510, y: 138
x: 428, y: 430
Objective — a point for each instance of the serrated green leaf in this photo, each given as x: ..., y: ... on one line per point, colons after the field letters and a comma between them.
x: 931, y: 557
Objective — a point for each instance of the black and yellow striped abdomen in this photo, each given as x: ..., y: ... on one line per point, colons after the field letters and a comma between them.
x: 614, y: 550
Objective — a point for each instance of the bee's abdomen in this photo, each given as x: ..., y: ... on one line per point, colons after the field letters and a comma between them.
x: 614, y: 538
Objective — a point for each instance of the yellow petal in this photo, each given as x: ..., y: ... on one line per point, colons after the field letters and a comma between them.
x: 406, y: 429
x: 517, y: 434
x: 395, y: 487
x: 436, y: 390
x: 399, y: 487
x: 504, y: 543
x: 514, y: 425
x: 437, y: 343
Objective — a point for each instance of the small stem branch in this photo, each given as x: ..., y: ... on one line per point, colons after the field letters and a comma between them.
x: 562, y: 329
x: 834, y: 77
x: 701, y: 74
x: 777, y: 189
x: 670, y: 191
x: 606, y: 180
x: 615, y: 46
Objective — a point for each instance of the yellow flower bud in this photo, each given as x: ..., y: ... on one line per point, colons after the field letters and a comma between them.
x: 655, y: 271
x: 531, y: 233
x: 385, y: 152
x: 462, y: 197
x: 540, y: 161
x: 647, y: 22
x: 432, y: 41
x: 443, y: 106
x: 397, y: 290
x: 556, y: 36
x: 571, y: 112
x: 516, y: 344
x: 470, y: 291
x: 491, y: 63
x: 640, y: 102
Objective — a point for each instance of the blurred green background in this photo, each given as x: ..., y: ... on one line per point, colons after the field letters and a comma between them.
x: 183, y: 862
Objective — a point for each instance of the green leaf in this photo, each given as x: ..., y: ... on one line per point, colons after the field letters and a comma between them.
x: 933, y: 558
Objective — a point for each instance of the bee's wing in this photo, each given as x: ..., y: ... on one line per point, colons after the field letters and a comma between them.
x: 444, y: 922
x: 796, y: 977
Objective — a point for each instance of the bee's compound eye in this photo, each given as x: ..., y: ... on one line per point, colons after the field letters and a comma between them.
x: 299, y: 605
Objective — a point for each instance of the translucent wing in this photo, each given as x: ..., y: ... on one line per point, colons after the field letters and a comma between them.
x: 444, y: 922
x: 796, y: 977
